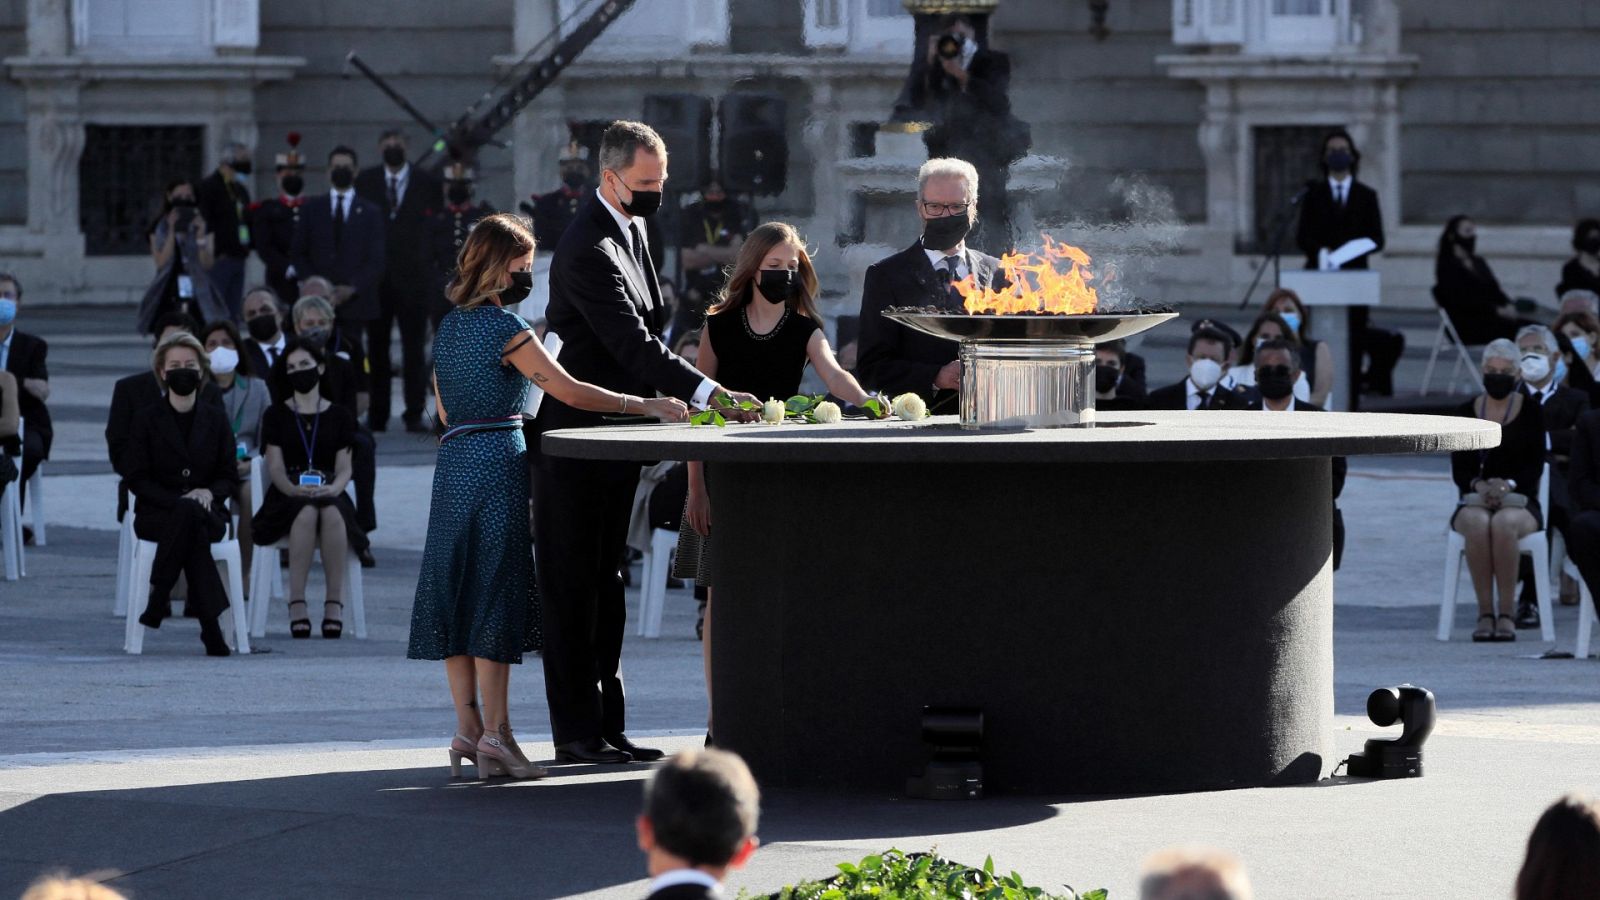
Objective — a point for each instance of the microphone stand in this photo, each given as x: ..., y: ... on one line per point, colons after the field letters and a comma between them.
x: 1280, y: 230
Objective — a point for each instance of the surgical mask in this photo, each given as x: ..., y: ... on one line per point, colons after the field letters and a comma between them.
x: 1340, y: 161
x: 1499, y: 386
x: 1274, y: 384
x: 945, y: 232
x: 341, y: 177
x: 224, y: 360
x: 1580, y: 347
x: 1535, y: 366
x: 263, y: 327
x: 1561, y: 370
x: 8, y: 311
x: 642, y: 204
x: 293, y: 185
x: 317, y: 336
x: 1205, y: 373
x: 1291, y: 319
x: 779, y: 285
x: 183, y: 382
x: 394, y: 156
x: 242, y: 167
x: 458, y: 192
x: 1106, y: 378
x: 521, y: 285
x: 304, y: 381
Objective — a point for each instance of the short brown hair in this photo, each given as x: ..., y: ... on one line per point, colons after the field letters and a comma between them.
x: 623, y: 139
x: 158, y: 359
x: 481, y: 266
x: 1563, y: 852
x: 702, y: 805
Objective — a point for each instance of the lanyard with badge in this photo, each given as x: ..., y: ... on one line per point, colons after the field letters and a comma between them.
x: 310, y: 477
x: 241, y: 451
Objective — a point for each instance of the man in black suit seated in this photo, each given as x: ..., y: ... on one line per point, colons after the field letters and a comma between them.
x: 265, y: 343
x: 408, y: 197
x: 605, y: 303
x: 1338, y: 209
x: 1561, y: 407
x: 1210, y: 351
x: 1583, y: 481
x: 1277, y: 369
x: 895, y: 359
x: 341, y: 238
x: 699, y: 821
x: 23, y: 355
x: 1112, y: 391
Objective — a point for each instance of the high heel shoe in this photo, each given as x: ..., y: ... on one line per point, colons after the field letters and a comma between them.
x: 301, y: 627
x: 495, y: 758
x: 461, y: 748
x: 332, y: 628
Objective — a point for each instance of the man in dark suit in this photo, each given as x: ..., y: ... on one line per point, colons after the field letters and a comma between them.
x: 1277, y: 369
x: 1338, y: 209
x: 23, y: 355
x: 700, y: 814
x: 607, y: 308
x: 223, y: 198
x: 896, y: 359
x: 1205, y: 387
x: 266, y: 340
x: 408, y: 197
x: 1583, y: 480
x: 275, y: 219
x: 1561, y: 408
x: 341, y: 238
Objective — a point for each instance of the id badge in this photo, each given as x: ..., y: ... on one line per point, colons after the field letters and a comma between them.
x: 186, y: 287
x: 240, y: 451
x: 311, y: 478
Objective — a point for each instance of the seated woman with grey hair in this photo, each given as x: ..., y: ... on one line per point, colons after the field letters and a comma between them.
x: 1499, y: 489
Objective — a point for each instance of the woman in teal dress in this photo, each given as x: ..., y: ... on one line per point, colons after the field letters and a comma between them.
x: 477, y: 606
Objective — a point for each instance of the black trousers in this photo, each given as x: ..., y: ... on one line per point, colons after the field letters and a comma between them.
x: 410, y: 310
x: 1379, y: 349
x: 364, y: 473
x: 580, y: 520
x: 183, y: 535
x: 1583, y: 546
x: 32, y: 455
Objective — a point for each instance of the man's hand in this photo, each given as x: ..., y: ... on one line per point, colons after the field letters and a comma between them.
x: 949, y: 377
x: 723, y: 399
x: 37, y: 387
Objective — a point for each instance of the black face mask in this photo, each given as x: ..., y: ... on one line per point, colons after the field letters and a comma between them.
x: 242, y: 166
x: 1340, y: 161
x: 521, y: 284
x: 263, y: 327
x: 318, y: 336
x: 644, y: 203
x: 394, y: 156
x: 574, y: 178
x: 1274, y: 383
x: 1469, y: 244
x: 341, y: 177
x: 778, y: 285
x: 1106, y: 378
x: 304, y: 381
x: 182, y: 203
x: 458, y: 192
x: 293, y: 185
x: 183, y: 382
x: 1590, y: 244
x: 1499, y: 386
x: 945, y: 232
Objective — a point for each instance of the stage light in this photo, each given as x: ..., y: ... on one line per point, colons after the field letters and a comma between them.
x: 1402, y: 756
x: 955, y: 737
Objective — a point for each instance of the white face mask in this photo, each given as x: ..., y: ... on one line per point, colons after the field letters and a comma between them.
x: 224, y: 360
x: 1205, y: 373
x: 1535, y: 366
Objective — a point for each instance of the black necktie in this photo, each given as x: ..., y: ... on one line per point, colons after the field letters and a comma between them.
x: 1205, y: 400
x: 638, y: 249
x: 394, y: 195
x: 1339, y: 196
x: 338, y: 220
x: 947, y: 275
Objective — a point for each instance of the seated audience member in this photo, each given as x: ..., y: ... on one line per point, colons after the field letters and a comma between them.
x: 23, y: 355
x: 61, y: 888
x: 1316, y: 360
x: 343, y: 384
x: 1465, y: 287
x: 1276, y: 376
x: 1563, y: 858
x: 1560, y: 408
x: 1193, y: 873
x: 1499, y: 489
x: 699, y: 821
x: 1210, y: 352
x: 180, y: 465
x: 1582, y: 353
x: 307, y: 442
x: 245, y: 399
x: 263, y: 319
x: 1583, y: 485
x: 1110, y: 370
x: 1268, y: 327
x: 1580, y: 300
x: 1582, y: 271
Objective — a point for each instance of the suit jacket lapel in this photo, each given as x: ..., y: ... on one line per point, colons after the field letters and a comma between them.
x: 630, y: 267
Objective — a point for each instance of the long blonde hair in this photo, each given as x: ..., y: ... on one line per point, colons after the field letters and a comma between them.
x: 482, y: 265
x: 747, y: 268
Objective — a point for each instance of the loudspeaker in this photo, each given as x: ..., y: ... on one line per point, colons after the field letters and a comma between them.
x: 684, y: 122
x: 754, y: 150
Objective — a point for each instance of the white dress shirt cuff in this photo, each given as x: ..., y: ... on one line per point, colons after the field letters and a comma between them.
x: 702, y: 394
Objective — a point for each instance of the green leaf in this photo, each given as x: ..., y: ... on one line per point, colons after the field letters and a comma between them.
x: 847, y: 868
x: 872, y: 863
x: 988, y: 866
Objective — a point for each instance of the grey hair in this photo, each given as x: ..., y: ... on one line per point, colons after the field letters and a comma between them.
x: 306, y: 304
x: 949, y: 167
x: 1590, y: 299
x: 1544, y: 334
x: 623, y: 139
x: 1500, y: 348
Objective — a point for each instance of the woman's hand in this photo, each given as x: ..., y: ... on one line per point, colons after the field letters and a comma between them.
x: 699, y: 511
x: 198, y: 226
x: 201, y: 496
x: 667, y: 409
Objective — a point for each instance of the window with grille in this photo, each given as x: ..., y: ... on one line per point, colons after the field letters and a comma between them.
x: 122, y: 175
x: 1285, y: 156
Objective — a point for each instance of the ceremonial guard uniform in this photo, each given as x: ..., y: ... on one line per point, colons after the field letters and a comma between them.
x: 274, y: 221
x: 447, y: 231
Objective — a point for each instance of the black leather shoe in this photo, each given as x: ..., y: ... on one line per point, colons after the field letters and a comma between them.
x: 415, y: 426
x: 1527, y: 615
x: 639, y: 754
x: 155, y: 612
x: 592, y: 750
x: 367, y: 559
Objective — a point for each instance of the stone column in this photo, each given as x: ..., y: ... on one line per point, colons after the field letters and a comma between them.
x: 55, y: 144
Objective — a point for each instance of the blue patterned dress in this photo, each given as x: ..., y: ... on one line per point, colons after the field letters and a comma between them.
x: 476, y: 595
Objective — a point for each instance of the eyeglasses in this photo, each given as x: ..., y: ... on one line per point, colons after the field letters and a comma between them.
x: 945, y: 209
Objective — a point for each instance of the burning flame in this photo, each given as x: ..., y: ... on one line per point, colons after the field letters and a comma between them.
x: 1039, y: 283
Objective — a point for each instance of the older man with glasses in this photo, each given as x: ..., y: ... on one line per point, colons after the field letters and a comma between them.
x: 893, y: 358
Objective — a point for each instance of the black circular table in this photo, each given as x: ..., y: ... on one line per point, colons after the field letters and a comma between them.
x: 1146, y: 605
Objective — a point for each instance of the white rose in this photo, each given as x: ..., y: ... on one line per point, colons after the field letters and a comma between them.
x: 827, y: 412
x: 910, y: 407
x: 772, y: 412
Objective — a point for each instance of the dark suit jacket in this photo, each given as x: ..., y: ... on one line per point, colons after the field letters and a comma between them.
x: 221, y: 214
x: 162, y: 466
x: 1583, y: 475
x: 686, y: 892
x: 610, y: 317
x: 893, y: 358
x: 129, y: 397
x: 1176, y: 396
x: 358, y: 259
x: 408, y: 266
x: 27, y: 360
x: 974, y: 124
x: 1324, y: 223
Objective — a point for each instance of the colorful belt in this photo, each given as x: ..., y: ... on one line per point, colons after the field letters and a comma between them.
x: 473, y: 426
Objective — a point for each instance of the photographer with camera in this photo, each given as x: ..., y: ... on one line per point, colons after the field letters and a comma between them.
x: 965, y: 85
x: 180, y: 245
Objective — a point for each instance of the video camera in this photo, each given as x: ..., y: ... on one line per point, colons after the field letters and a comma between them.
x: 949, y: 46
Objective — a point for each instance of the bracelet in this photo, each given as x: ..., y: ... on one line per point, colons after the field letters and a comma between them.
x: 624, y: 408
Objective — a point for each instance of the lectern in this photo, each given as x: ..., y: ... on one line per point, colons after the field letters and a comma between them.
x: 1339, y: 292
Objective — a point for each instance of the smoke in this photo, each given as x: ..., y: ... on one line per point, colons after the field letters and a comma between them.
x: 1127, y: 231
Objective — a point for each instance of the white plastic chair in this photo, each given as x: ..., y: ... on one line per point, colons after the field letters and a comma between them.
x: 1586, y: 614
x: 1535, y: 545
x: 11, y: 555
x: 653, y: 571
x: 125, y: 548
x: 266, y: 579
x: 1447, y: 332
x: 225, y: 552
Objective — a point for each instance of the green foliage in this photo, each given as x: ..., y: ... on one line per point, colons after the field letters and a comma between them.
x: 713, y: 414
x: 893, y: 875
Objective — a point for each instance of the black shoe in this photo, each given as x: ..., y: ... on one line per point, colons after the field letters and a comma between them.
x: 415, y: 426
x: 674, y: 584
x: 367, y: 559
x: 375, y: 426
x: 1527, y: 615
x: 592, y: 750
x: 155, y: 611
x: 27, y: 535
x: 211, y: 636
x: 710, y: 742
x: 639, y: 754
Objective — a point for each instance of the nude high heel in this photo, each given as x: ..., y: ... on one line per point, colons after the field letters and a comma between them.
x: 496, y: 759
x: 461, y: 748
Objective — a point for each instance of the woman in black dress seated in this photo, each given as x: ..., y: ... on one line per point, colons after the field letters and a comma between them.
x: 1465, y: 287
x: 1499, y: 490
x: 307, y: 441
x: 1582, y: 271
x: 180, y: 468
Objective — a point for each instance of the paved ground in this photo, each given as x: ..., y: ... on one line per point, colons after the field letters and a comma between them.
x: 318, y: 769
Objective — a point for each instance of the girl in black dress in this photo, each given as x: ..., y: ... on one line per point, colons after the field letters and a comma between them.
x: 1582, y: 271
x: 307, y: 440
x: 760, y: 333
